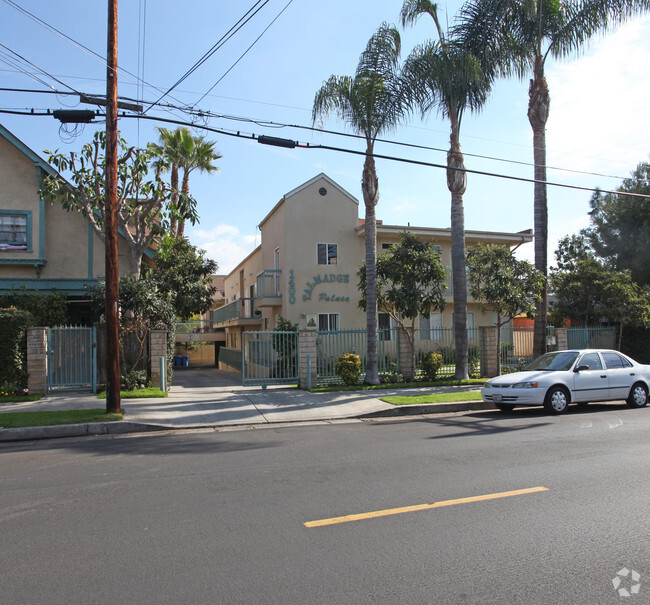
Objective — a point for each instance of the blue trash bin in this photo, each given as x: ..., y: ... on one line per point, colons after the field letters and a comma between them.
x: 177, y: 360
x: 186, y: 360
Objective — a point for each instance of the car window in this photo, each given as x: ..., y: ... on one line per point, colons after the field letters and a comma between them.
x: 613, y: 360
x: 592, y: 360
x: 561, y: 360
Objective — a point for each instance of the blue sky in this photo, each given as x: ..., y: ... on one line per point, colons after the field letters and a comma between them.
x: 598, y: 123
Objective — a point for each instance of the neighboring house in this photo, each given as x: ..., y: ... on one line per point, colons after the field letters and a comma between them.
x: 305, y: 268
x: 43, y: 247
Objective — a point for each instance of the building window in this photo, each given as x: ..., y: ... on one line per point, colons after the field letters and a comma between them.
x: 386, y: 246
x: 327, y: 254
x: 15, y: 230
x: 328, y: 322
x: 384, y: 326
x: 431, y: 327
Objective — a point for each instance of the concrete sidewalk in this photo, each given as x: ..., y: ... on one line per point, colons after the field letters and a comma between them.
x: 203, y: 398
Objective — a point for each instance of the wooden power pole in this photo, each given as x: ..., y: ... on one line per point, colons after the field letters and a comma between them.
x: 110, y: 211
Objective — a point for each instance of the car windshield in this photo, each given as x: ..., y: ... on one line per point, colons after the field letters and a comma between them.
x: 562, y: 360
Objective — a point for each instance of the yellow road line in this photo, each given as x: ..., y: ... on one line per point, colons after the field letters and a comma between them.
x: 410, y: 509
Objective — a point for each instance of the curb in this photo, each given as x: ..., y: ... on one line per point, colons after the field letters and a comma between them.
x: 122, y: 427
x: 57, y: 431
x: 431, y: 408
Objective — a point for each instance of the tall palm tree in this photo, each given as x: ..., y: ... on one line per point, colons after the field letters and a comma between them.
x: 444, y: 76
x: 200, y: 157
x: 181, y: 151
x: 516, y: 37
x: 370, y: 103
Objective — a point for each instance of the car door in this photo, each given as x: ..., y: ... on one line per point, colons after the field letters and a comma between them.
x: 590, y: 384
x: 621, y: 375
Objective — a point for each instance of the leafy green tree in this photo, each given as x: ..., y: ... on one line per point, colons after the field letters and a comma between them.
x: 620, y: 226
x: 370, y: 103
x: 411, y: 281
x: 503, y: 283
x: 516, y: 37
x: 444, y: 76
x: 143, y: 199
x: 587, y: 289
x: 45, y: 310
x: 183, y: 274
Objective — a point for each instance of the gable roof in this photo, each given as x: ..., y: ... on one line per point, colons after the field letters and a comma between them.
x: 305, y: 185
x: 26, y: 151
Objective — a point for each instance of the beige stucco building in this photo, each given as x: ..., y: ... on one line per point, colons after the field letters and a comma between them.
x: 42, y: 246
x: 305, y: 268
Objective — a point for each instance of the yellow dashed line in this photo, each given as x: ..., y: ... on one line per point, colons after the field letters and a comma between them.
x: 410, y: 509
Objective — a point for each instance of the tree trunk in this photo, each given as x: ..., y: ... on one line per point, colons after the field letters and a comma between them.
x: 174, y: 208
x: 370, y: 189
x: 185, y: 191
x: 457, y: 183
x: 538, y: 108
x: 498, y: 344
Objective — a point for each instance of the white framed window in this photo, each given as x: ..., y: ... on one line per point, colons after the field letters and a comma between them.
x: 15, y: 230
x: 430, y: 327
x: 385, y: 325
x: 328, y: 322
x: 327, y: 254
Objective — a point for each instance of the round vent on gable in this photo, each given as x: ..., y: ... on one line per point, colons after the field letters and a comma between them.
x: 322, y: 191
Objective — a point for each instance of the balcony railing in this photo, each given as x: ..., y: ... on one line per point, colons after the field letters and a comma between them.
x: 268, y: 287
x: 243, y: 308
x: 196, y: 325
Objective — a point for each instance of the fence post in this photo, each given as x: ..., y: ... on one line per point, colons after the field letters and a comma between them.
x: 307, y: 370
x: 37, y: 360
x: 157, y: 349
x: 490, y: 353
x: 562, y: 336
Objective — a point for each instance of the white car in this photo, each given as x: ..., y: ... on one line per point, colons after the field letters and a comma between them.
x: 556, y: 379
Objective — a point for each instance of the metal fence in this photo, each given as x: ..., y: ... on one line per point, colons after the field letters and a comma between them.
x: 442, y: 341
x: 591, y: 338
x: 269, y: 358
x: 72, y: 358
x: 231, y: 357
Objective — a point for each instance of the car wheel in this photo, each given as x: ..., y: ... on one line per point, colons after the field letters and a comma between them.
x: 556, y: 400
x: 638, y: 397
x: 505, y: 407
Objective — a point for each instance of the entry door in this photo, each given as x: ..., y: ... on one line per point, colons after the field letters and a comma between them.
x: 591, y: 384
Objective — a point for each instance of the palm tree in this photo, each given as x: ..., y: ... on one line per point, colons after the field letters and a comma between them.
x: 370, y: 103
x: 444, y: 76
x: 180, y: 150
x: 516, y: 37
x: 200, y: 158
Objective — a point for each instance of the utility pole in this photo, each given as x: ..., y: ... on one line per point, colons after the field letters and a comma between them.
x: 110, y: 213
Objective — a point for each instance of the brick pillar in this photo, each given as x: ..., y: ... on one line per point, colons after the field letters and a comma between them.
x: 307, y: 346
x: 37, y: 360
x: 490, y: 359
x: 157, y: 349
x: 562, y: 336
x: 405, y: 353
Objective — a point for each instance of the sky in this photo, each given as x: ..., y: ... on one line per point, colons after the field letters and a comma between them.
x: 598, y: 124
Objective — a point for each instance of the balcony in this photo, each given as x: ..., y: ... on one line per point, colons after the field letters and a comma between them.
x: 268, y: 288
x: 239, y: 312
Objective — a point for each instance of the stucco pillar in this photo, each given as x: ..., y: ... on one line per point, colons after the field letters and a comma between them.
x: 562, y: 336
x: 307, y: 346
x: 157, y: 349
x: 490, y: 366
x: 405, y: 353
x: 37, y: 360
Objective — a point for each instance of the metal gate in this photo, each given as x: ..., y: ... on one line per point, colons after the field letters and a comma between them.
x: 269, y: 358
x: 71, y: 358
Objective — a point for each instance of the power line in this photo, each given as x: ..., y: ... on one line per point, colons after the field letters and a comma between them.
x: 243, y: 54
x: 252, y: 136
x: 227, y: 36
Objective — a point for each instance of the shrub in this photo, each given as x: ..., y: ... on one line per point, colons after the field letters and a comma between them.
x: 13, y: 352
x: 348, y: 368
x: 431, y: 364
x: 391, y: 378
x: 135, y: 379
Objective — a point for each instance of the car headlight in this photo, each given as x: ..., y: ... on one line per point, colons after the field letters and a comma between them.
x: 487, y: 385
x: 525, y: 385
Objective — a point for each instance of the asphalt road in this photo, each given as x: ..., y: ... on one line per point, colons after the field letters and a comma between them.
x: 208, y: 517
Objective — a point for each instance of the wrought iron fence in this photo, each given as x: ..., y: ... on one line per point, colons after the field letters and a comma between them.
x: 231, y: 357
x: 270, y: 358
x: 591, y: 338
x: 441, y: 341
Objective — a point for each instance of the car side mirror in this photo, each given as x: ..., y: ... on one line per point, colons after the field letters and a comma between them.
x: 581, y: 368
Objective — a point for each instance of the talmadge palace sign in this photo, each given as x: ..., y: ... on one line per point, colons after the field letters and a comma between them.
x: 327, y: 278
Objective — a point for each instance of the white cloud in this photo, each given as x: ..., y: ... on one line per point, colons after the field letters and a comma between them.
x: 599, y: 119
x: 224, y: 244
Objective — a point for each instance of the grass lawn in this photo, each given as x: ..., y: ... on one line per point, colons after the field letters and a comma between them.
x: 450, y: 382
x: 19, y: 398
x: 13, y: 420
x: 137, y: 394
x: 434, y: 398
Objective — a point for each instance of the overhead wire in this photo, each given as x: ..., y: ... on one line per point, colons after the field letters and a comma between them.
x: 243, y: 54
x: 250, y: 13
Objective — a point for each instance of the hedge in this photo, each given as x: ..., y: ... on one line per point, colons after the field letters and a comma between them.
x: 13, y: 352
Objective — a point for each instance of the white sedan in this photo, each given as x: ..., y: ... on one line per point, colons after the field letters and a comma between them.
x: 556, y: 379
